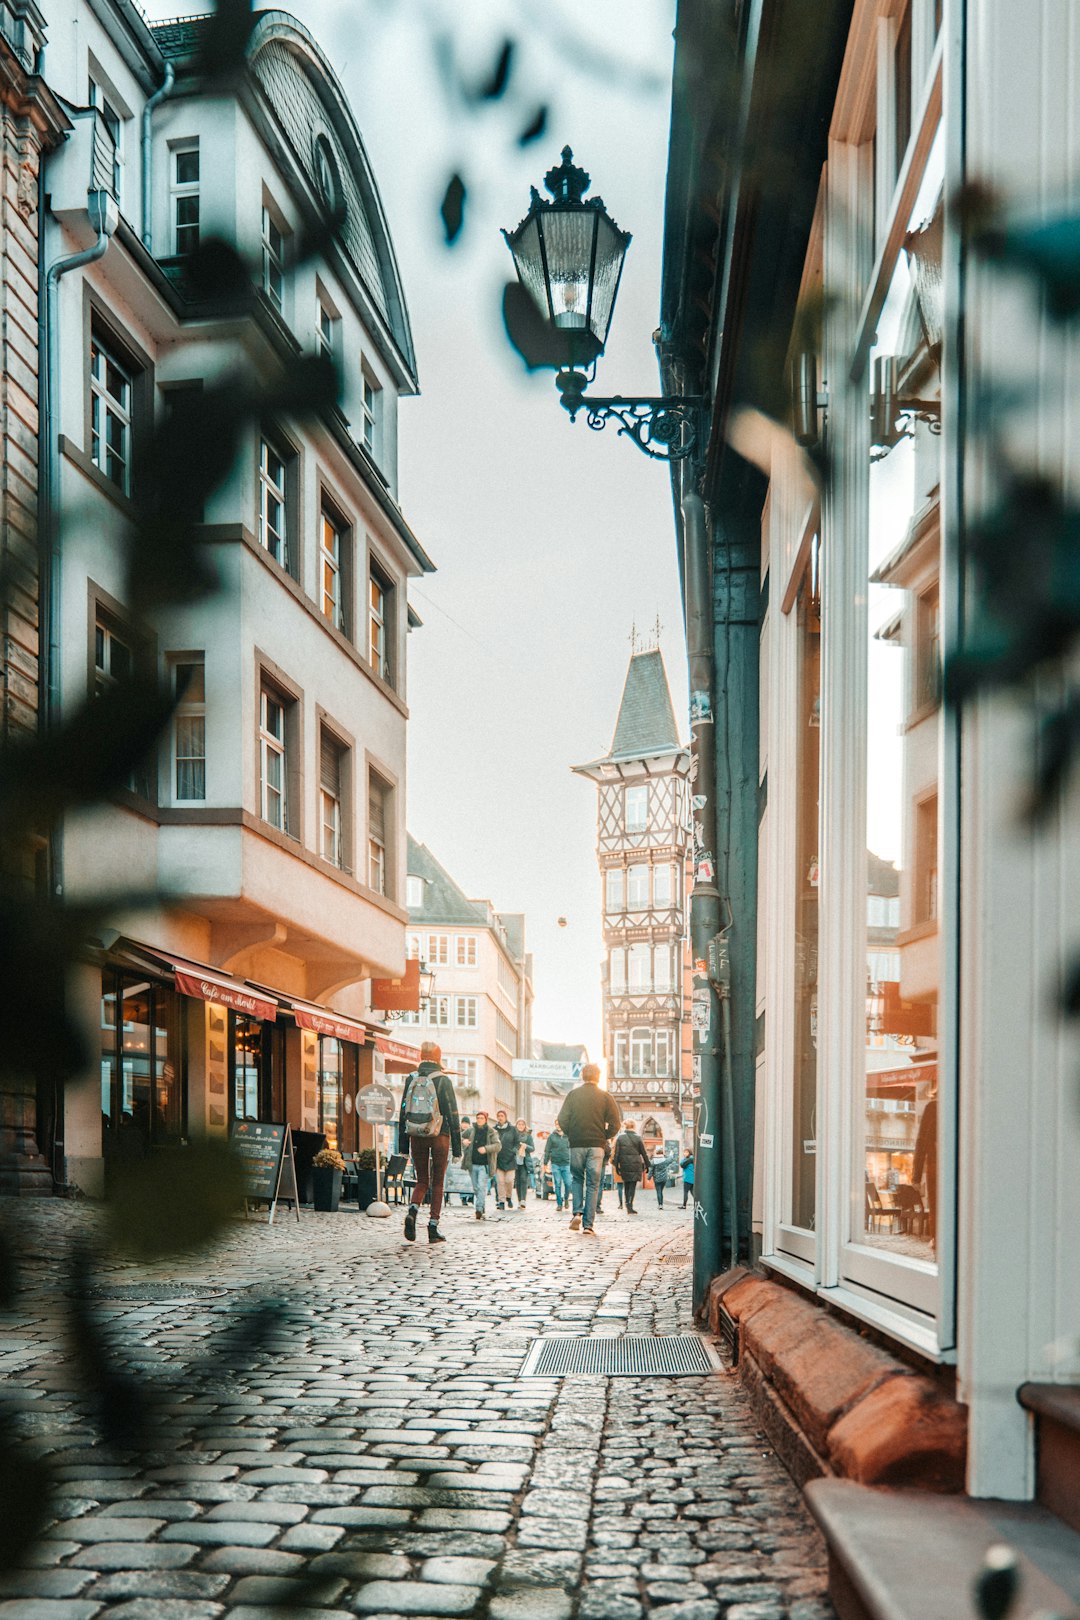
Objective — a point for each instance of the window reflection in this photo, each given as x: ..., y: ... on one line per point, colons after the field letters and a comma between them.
x: 141, y: 1102
x: 802, y: 1201
x: 330, y: 1084
x: 898, y: 1164
x: 247, y: 1066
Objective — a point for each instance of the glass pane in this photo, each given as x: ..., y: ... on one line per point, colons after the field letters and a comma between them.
x: 247, y: 1062
x: 136, y: 1122
x: 330, y: 1079
x: 187, y: 168
x: 109, y: 1100
x: 802, y: 1199
x: 896, y: 1177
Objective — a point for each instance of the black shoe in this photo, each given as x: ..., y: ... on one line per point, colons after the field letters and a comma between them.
x: 433, y: 1233
x: 410, y: 1224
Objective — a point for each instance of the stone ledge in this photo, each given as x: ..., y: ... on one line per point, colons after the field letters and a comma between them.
x: 853, y: 1409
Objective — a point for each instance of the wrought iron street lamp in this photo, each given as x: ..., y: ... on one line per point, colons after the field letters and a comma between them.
x: 568, y: 254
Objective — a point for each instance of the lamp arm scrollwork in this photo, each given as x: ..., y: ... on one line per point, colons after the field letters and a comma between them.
x: 665, y: 428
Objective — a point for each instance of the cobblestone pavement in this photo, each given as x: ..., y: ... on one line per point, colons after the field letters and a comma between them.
x: 380, y: 1454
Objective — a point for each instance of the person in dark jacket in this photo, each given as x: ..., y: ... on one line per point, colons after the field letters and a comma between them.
x: 557, y: 1154
x: 661, y: 1168
x: 687, y: 1167
x: 430, y: 1154
x: 631, y: 1161
x: 525, y: 1160
x: 480, y: 1154
x: 590, y: 1117
x: 506, y: 1163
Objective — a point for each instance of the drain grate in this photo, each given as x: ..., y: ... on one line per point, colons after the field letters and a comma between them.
x: 677, y: 1355
x: 152, y: 1293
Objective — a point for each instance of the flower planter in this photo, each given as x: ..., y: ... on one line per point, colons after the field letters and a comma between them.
x: 367, y: 1187
x: 326, y: 1188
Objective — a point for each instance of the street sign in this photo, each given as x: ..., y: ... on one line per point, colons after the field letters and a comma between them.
x: 544, y: 1069
x: 376, y: 1104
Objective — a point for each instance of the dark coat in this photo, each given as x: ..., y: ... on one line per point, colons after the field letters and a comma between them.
x: 631, y: 1160
x: 482, y: 1152
x: 444, y: 1088
x: 510, y: 1137
x: 660, y: 1170
x: 557, y: 1149
x: 589, y: 1116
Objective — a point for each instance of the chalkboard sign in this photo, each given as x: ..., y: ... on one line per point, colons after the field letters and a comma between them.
x: 266, y: 1151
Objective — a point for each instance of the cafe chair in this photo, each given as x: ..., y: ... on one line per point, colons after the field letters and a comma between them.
x: 394, y: 1175
x: 876, y: 1211
x: 914, y: 1215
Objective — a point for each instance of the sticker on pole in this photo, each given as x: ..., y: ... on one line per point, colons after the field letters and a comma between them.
x: 701, y: 1014
x: 705, y: 1141
x: 701, y: 709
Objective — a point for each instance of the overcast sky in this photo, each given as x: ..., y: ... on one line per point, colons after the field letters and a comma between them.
x: 551, y: 541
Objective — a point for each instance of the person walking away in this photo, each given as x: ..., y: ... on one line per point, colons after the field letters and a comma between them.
x: 557, y: 1154
x: 687, y: 1167
x: 506, y: 1163
x: 526, y: 1149
x: 631, y: 1161
x: 428, y: 1128
x: 478, y: 1158
x: 660, y: 1169
x: 590, y: 1117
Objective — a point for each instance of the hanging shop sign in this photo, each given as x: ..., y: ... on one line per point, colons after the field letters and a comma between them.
x: 266, y: 1152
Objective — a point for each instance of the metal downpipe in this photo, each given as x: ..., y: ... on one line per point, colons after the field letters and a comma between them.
x: 146, y: 153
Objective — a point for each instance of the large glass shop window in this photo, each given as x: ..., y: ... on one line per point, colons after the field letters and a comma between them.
x: 141, y: 1094
x: 896, y: 1173
x: 330, y: 1088
x: 247, y: 1065
x: 802, y: 1203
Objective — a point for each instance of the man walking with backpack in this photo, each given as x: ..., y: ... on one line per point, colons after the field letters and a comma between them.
x: 590, y: 1117
x: 428, y: 1128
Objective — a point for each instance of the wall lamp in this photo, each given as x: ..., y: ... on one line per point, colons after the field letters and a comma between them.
x: 568, y: 254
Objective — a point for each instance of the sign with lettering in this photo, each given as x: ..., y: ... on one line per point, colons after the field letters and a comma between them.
x: 376, y: 1104
x: 266, y: 1151
x: 208, y: 987
x: 544, y: 1069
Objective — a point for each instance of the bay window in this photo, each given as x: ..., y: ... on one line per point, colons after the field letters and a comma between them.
x: 637, y: 888
x: 617, y: 972
x: 272, y: 759
x: 614, y: 889
x: 189, y: 729
x: 639, y: 968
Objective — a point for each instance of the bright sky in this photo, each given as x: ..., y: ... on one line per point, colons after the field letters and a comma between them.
x: 551, y: 541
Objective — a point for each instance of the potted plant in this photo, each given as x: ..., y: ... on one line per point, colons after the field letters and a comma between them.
x: 367, y: 1182
x: 327, y: 1168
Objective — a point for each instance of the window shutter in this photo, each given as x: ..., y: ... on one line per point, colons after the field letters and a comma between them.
x: 330, y: 765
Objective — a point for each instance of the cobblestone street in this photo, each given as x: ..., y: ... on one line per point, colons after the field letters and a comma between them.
x: 379, y: 1453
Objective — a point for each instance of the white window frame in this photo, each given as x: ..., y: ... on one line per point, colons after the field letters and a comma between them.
x: 439, y: 1012
x: 637, y: 883
x: 639, y: 968
x: 181, y: 191
x: 663, y: 970
x: 641, y: 1052
x: 621, y: 1053
x: 274, y: 540
x: 380, y: 591
x: 192, y: 710
x: 615, y: 890
x: 273, y: 745
x: 370, y: 410
x: 663, y: 897
x: 333, y: 536
x: 274, y: 235
x: 438, y: 950
x: 666, y: 1050
x: 466, y: 1012
x: 465, y: 951
x: 107, y: 407
x: 378, y: 850
x: 331, y: 804
x: 636, y: 807
x: 414, y: 899
x: 617, y: 971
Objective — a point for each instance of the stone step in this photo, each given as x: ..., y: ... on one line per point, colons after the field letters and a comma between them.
x: 910, y: 1555
x: 1057, y: 1478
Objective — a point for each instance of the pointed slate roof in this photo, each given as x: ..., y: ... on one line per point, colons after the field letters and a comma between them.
x: 646, y: 723
x: 444, y: 902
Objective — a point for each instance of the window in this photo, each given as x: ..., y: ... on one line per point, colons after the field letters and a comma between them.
x: 185, y: 198
x: 639, y: 968
x: 636, y: 808
x: 902, y: 86
x: 330, y: 1087
x: 465, y: 951
x: 925, y: 907
x: 412, y: 944
x: 410, y: 1016
x: 272, y: 759
x: 505, y: 1033
x: 662, y: 975
x: 665, y: 1053
x: 331, y: 555
x: 465, y: 1012
x: 189, y: 729
x: 328, y: 324
x: 661, y: 888
x: 369, y: 405
x: 617, y: 972
x: 438, y: 950
x: 331, y: 840
x: 114, y: 661
x: 380, y: 599
x: 467, y: 1070
x: 506, y: 977
x: 114, y: 125
x: 142, y: 1102
x: 637, y: 888
x: 799, y: 1199
x: 414, y: 899
x: 378, y: 824
x: 439, y: 1012
x: 273, y: 259
x: 641, y: 1053
x: 614, y: 889
x: 273, y: 502
x: 928, y: 649
x: 622, y: 1052
x: 110, y: 413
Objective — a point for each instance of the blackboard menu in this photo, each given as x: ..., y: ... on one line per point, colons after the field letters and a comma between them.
x: 266, y: 1152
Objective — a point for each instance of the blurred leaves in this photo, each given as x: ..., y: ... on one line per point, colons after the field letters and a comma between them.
x: 175, y: 1202
x: 452, y: 209
x: 494, y: 87
x: 224, y: 41
x: 535, y: 128
x: 529, y: 332
x: 997, y: 1583
x: 26, y: 1489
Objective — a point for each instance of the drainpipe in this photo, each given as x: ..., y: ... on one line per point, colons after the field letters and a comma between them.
x: 146, y: 153
x: 103, y: 216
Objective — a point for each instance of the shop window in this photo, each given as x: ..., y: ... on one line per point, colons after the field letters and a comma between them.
x: 189, y: 729
x: 185, y: 197
x: 141, y: 1065
x: 636, y: 808
x: 112, y: 380
x: 801, y: 1193
x: 246, y: 1064
x: 331, y: 1069
x: 615, y: 889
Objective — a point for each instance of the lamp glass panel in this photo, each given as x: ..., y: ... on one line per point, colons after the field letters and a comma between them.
x: 529, y: 262
x: 568, y: 241
x: 610, y: 253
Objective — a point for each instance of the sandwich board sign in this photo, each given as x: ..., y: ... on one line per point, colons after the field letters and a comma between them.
x: 266, y: 1151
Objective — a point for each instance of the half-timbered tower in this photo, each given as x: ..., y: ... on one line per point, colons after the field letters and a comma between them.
x: 642, y: 836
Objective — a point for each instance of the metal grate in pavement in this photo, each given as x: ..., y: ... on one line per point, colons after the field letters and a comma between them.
x: 676, y: 1355
x: 153, y: 1292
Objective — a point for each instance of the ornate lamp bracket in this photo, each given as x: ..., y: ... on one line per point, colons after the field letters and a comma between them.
x: 667, y: 427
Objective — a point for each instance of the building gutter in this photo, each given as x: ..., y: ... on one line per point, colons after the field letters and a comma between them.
x: 147, y: 153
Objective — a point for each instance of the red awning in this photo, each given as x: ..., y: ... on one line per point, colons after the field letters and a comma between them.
x: 324, y: 1021
x: 401, y: 1058
x: 207, y: 984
